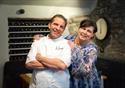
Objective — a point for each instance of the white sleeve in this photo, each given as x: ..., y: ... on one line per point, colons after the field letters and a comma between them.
x: 32, y: 53
x: 66, y: 55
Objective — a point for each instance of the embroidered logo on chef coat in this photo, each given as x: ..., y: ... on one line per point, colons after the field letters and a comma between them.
x: 59, y: 48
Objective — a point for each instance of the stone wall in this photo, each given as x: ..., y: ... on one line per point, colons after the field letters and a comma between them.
x: 113, y: 46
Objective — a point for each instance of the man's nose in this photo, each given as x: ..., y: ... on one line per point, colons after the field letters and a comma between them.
x: 58, y: 27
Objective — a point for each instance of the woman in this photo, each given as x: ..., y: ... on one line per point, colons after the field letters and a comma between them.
x: 84, y: 55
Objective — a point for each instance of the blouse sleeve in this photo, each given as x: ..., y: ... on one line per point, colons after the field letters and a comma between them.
x: 90, y: 55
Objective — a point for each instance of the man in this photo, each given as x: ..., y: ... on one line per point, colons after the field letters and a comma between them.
x: 50, y: 57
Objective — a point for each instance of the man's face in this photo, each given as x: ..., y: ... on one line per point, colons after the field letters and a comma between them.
x: 56, y: 27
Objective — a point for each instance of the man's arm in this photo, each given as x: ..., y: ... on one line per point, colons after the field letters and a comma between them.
x: 31, y: 62
x: 34, y: 65
x: 51, y: 62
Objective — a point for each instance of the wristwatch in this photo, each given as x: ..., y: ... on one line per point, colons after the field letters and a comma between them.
x: 101, y: 28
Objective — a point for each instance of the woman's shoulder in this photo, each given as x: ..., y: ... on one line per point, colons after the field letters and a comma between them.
x: 91, y: 45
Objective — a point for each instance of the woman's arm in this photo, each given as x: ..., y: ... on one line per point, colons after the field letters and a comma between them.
x: 92, y: 56
x: 37, y: 37
x: 71, y: 44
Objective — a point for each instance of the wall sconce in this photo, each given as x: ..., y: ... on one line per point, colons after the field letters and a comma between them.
x: 20, y: 11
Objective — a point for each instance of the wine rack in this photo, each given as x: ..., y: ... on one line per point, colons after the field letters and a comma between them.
x: 21, y: 32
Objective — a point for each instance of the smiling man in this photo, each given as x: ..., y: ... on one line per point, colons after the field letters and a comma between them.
x: 50, y: 57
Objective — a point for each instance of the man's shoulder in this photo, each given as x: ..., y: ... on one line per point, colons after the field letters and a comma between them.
x: 64, y: 40
x: 40, y: 40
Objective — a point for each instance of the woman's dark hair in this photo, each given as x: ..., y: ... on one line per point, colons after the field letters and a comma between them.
x: 60, y: 16
x: 88, y: 23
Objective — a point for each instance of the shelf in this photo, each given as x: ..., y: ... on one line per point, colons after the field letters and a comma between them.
x: 18, y: 54
x: 21, y: 43
x: 20, y: 37
x: 20, y: 34
x: 29, y: 32
x: 36, y: 26
x: 19, y: 48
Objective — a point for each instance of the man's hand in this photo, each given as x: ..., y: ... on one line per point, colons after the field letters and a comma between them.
x: 38, y: 57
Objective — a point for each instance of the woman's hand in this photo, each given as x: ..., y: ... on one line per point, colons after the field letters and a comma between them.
x: 37, y: 37
x: 71, y: 44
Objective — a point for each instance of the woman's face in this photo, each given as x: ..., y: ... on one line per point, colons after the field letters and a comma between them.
x: 56, y: 27
x: 86, y: 33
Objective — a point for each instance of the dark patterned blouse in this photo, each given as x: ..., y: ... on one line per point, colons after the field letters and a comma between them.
x: 83, y: 70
